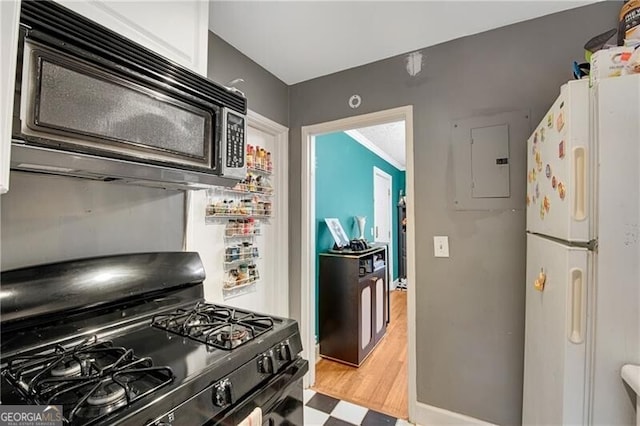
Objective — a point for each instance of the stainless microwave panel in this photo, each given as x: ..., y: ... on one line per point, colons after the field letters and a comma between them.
x: 88, y: 107
x: 233, y: 147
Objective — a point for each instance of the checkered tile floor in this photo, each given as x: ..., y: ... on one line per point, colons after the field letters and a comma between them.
x: 323, y: 410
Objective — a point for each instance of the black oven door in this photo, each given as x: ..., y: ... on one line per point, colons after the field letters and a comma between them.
x: 280, y: 400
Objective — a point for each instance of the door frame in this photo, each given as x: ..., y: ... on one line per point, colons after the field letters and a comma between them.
x: 308, y: 237
x: 378, y: 171
x: 280, y: 294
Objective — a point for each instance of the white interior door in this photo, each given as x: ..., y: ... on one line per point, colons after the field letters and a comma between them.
x: 268, y: 295
x: 555, y: 332
x: 382, y: 216
x: 382, y: 206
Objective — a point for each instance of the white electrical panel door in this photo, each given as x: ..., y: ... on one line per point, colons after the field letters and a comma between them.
x: 558, y: 168
x: 490, y: 162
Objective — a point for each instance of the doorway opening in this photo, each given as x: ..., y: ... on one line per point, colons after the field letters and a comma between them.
x: 384, y: 380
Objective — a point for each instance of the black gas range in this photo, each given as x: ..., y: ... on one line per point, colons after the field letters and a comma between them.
x: 129, y: 340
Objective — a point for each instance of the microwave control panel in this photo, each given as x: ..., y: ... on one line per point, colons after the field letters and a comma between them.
x: 235, y: 140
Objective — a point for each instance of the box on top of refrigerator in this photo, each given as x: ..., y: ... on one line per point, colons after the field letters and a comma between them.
x: 614, y: 62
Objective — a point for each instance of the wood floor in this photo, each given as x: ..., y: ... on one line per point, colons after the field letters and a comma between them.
x: 380, y: 383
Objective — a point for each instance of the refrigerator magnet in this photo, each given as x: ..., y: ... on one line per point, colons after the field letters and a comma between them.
x: 542, y: 134
x: 561, y: 149
x: 539, y: 161
x: 546, y: 204
x: 539, y: 282
x: 554, y: 182
x: 547, y: 171
x: 550, y: 120
x: 535, y: 137
x: 542, y: 211
x: 560, y: 121
x: 534, y: 175
x: 561, y: 190
x: 528, y: 200
x: 537, y: 190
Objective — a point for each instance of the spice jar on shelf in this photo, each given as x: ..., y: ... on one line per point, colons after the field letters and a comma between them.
x: 250, y: 156
x: 253, y: 272
x: 243, y: 272
x: 251, y: 183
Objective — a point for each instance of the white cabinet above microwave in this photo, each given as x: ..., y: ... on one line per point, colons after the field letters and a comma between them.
x: 177, y: 30
x: 9, y: 20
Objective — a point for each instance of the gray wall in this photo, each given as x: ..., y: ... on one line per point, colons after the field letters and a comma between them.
x: 266, y: 95
x: 50, y: 218
x: 470, y: 307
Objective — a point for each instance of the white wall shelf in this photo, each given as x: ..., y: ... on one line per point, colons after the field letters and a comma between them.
x: 235, y: 291
x: 213, y: 217
x: 260, y: 170
x: 232, y: 285
x: 262, y: 192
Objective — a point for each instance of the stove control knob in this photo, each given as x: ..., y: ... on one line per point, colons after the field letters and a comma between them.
x: 266, y: 363
x: 222, y: 393
x: 284, y: 351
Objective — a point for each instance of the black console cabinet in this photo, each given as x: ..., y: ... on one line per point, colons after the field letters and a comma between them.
x: 353, y: 304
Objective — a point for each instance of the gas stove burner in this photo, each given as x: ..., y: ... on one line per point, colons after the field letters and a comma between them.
x: 70, y: 368
x: 233, y: 334
x: 193, y: 323
x: 106, y: 394
x: 218, y: 326
x: 90, y: 380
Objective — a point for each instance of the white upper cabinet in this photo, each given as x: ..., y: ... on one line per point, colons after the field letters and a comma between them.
x: 174, y: 29
x: 9, y: 19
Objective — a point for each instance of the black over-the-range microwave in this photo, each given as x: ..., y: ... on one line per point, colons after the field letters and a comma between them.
x: 91, y: 103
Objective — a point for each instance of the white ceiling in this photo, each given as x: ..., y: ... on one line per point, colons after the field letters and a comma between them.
x: 301, y: 40
x: 385, y: 140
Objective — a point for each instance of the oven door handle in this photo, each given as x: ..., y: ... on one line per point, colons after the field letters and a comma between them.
x: 280, y: 381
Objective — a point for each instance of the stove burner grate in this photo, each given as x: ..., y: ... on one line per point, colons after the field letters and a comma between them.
x: 90, y: 380
x: 221, y: 327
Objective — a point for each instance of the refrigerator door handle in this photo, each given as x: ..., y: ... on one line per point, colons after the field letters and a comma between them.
x: 576, y: 308
x: 580, y: 183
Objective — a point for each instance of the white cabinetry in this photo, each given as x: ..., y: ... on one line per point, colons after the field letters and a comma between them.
x: 177, y: 30
x: 9, y: 19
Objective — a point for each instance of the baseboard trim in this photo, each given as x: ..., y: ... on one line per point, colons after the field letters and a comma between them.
x: 430, y: 415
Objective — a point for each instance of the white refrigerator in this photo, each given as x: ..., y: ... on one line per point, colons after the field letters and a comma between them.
x: 582, y: 281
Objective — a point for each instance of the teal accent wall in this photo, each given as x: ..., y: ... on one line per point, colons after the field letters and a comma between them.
x: 344, y: 189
